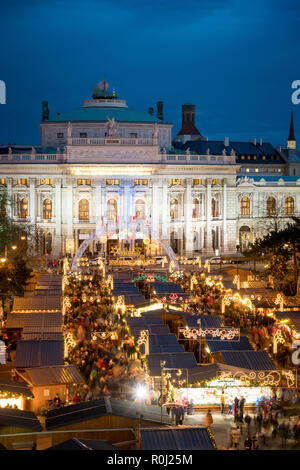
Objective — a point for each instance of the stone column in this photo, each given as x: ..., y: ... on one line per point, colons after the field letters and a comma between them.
x: 32, y: 208
x: 98, y: 204
x: 57, y: 245
x: 10, y: 196
x: 225, y: 248
x: 155, y: 208
x: 208, y: 216
x: 188, y: 217
x: 165, y: 211
x: 69, y: 212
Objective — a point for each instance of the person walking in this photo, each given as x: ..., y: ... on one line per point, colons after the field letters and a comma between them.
x: 222, y: 402
x: 283, y: 432
x: 255, y: 445
x: 248, y: 420
x: 235, y: 436
x: 242, y: 404
x: 208, y: 419
x: 236, y: 408
x: 248, y: 443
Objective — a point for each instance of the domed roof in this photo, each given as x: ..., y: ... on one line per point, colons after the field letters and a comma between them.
x: 101, y: 113
x: 105, y: 105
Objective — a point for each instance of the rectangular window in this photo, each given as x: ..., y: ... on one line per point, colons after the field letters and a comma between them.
x: 197, y: 181
x: 215, y: 182
x: 133, y: 135
x: 137, y: 182
x: 22, y: 181
x: 80, y: 182
x: 2, y: 181
x: 46, y: 181
x: 175, y: 181
x: 145, y: 182
x: 112, y: 182
x: 60, y: 135
x: 83, y: 135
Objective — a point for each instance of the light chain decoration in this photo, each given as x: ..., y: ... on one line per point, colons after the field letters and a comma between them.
x: 143, y: 338
x: 271, y: 378
x: 224, y: 334
x: 69, y: 343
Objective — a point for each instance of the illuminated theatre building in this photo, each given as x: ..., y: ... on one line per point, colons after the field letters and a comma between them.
x: 108, y: 169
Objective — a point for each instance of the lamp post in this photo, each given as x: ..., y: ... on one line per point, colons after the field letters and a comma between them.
x: 162, y: 366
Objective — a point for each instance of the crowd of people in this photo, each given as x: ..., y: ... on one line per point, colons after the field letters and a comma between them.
x: 100, y: 343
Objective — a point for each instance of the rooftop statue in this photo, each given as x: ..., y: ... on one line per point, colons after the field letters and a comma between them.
x: 112, y: 127
x: 45, y: 111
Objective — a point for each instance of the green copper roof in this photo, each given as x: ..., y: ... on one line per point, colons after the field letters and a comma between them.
x: 102, y: 113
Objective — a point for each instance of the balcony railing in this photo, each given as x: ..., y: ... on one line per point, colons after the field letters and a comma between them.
x: 35, y: 158
x: 111, y: 141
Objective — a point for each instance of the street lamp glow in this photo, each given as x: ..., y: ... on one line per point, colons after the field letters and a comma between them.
x: 2, y: 260
x: 14, y: 247
x: 141, y: 392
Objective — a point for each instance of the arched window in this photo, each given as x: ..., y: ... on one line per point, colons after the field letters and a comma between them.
x: 140, y: 209
x: 271, y: 206
x: 83, y: 210
x: 245, y: 206
x: 214, y: 208
x: 47, y: 209
x: 289, y: 206
x: 112, y: 209
x: 23, y: 214
x: 174, y: 209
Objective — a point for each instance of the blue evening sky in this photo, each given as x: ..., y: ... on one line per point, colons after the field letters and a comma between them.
x: 234, y: 59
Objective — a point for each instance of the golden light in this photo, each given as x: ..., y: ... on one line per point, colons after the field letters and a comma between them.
x: 14, y: 247
x: 112, y: 171
x: 2, y: 260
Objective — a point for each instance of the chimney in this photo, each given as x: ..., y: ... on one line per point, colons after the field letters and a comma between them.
x: 226, y: 141
x: 151, y: 111
x: 253, y: 141
x: 160, y: 110
x: 188, y: 113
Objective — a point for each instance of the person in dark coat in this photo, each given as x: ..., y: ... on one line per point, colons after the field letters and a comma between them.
x: 248, y: 443
x: 242, y: 404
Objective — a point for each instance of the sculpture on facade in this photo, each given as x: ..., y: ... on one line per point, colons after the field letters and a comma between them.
x: 224, y: 152
x: 112, y: 127
x: 45, y: 111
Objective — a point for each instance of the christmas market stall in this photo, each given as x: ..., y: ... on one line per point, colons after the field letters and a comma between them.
x: 15, y: 395
x: 48, y: 382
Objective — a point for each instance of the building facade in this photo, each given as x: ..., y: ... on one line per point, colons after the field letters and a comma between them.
x: 107, y: 169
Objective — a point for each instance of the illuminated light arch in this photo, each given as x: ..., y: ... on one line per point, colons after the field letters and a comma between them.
x: 132, y: 231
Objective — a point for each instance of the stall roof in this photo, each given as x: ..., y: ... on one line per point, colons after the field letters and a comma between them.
x: 153, y: 330
x: 294, y: 317
x: 42, y: 333
x: 83, y: 444
x: 22, y: 320
x: 19, y: 419
x: 36, y: 303
x: 254, y: 360
x: 18, y: 388
x: 242, y: 345
x: 212, y: 371
x: 53, y: 375
x: 143, y: 321
x: 187, y: 438
x: 39, y: 353
x: 183, y: 360
x: 104, y: 406
x: 207, y: 321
